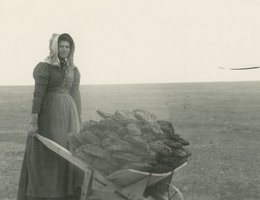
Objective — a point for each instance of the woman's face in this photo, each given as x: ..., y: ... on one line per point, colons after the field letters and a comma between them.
x: 64, y: 49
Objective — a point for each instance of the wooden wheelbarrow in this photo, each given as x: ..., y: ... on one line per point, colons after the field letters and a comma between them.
x: 127, y: 184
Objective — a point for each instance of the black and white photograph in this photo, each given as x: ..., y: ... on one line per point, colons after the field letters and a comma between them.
x: 130, y: 100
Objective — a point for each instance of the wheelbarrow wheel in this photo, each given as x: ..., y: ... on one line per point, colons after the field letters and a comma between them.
x: 173, y: 193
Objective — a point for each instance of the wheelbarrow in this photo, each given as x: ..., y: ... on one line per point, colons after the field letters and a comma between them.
x: 126, y: 184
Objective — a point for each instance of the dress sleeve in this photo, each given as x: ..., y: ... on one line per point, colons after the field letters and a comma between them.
x: 41, y: 77
x: 75, y: 93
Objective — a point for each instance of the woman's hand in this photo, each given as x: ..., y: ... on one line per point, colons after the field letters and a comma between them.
x: 33, y: 128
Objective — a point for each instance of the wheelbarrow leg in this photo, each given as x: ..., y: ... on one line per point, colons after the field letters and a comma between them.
x: 87, y: 184
x: 136, y: 190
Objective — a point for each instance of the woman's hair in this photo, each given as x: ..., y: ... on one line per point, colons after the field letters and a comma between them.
x: 66, y: 37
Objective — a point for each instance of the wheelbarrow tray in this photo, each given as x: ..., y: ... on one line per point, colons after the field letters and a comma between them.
x: 127, y: 184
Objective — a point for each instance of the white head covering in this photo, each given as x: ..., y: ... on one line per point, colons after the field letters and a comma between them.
x: 53, y: 58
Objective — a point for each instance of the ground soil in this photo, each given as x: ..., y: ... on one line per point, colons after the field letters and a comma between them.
x: 221, y: 120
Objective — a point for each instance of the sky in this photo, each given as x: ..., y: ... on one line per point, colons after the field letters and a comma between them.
x: 134, y: 41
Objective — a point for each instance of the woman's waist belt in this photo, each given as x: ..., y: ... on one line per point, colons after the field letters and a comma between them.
x: 59, y: 90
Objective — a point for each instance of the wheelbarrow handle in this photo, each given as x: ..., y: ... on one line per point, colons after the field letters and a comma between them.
x: 63, y: 152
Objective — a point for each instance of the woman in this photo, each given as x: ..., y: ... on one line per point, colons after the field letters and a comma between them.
x: 56, y: 112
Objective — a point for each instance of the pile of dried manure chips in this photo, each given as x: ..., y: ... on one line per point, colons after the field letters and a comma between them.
x: 129, y: 140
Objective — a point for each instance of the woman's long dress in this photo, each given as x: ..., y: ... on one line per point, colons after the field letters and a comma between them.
x: 45, y: 175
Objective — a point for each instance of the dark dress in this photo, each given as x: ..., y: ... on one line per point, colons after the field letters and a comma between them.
x: 45, y: 175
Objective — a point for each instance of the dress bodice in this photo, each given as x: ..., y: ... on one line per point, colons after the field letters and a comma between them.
x: 49, y: 78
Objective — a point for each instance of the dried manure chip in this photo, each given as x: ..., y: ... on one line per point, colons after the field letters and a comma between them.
x: 88, y: 137
x: 95, y: 151
x: 127, y: 157
x: 133, y: 129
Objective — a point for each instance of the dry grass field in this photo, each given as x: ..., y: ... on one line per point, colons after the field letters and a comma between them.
x: 221, y: 120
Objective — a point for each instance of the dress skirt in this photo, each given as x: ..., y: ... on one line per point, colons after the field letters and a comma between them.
x: 45, y: 175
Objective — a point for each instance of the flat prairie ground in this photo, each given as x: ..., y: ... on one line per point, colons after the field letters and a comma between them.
x: 221, y: 121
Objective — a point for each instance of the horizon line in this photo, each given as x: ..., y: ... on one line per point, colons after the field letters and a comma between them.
x: 148, y: 83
